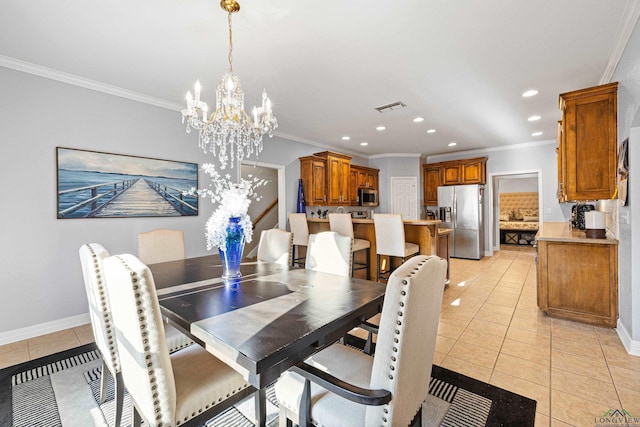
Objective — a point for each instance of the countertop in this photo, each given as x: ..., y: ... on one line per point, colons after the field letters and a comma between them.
x: 561, y: 232
x: 370, y: 221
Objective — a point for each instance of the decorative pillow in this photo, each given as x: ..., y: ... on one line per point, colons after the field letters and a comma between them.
x: 505, y: 214
x: 517, y: 214
x: 530, y: 218
x: 527, y: 212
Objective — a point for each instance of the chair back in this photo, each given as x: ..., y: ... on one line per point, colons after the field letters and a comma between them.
x: 406, y: 339
x: 91, y: 257
x: 161, y: 245
x: 389, y: 230
x: 299, y: 228
x: 276, y: 246
x: 329, y: 252
x: 341, y: 223
x: 144, y: 357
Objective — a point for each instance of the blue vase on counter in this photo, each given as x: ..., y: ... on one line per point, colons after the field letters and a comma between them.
x: 232, y: 256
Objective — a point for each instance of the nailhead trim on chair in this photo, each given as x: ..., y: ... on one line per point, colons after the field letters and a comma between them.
x: 115, y: 362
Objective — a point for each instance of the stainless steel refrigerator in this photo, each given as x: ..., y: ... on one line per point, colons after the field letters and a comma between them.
x: 460, y: 208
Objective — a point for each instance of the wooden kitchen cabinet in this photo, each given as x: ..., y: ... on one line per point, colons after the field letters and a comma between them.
x: 454, y: 172
x: 431, y: 182
x: 577, y: 277
x: 473, y: 172
x: 451, y: 174
x: 588, y: 144
x: 313, y: 174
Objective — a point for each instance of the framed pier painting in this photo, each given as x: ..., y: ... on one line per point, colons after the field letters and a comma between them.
x: 93, y: 184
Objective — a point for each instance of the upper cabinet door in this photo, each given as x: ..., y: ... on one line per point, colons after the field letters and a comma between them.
x: 589, y: 143
x: 451, y: 174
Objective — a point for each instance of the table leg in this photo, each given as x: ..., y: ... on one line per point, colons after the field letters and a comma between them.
x: 260, y: 400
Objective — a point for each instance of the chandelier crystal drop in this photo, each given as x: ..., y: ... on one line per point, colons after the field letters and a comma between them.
x: 229, y: 132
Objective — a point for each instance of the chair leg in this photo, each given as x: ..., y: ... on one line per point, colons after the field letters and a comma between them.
x: 103, y: 382
x: 136, y: 419
x: 368, y: 262
x: 378, y: 273
x: 119, y: 397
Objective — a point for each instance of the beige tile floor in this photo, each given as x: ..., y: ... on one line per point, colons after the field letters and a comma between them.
x: 491, y: 330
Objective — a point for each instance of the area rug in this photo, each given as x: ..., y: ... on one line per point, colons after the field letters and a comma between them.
x: 63, y: 390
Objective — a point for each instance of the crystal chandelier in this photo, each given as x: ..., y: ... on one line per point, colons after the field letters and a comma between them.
x: 229, y: 132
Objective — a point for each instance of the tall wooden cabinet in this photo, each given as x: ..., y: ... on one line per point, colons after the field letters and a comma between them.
x: 337, y: 177
x: 313, y: 174
x: 466, y: 171
x: 587, y: 144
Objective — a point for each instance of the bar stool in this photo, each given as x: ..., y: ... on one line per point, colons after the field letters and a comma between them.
x: 300, y: 229
x: 341, y: 223
x: 390, y: 241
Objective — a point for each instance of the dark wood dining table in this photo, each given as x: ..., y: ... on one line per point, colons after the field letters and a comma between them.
x: 277, y: 317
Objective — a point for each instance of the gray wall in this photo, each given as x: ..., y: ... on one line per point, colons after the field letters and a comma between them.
x: 397, y: 166
x: 518, y: 185
x: 627, y: 76
x: 41, y: 287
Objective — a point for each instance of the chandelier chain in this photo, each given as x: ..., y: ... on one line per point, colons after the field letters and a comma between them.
x: 230, y: 44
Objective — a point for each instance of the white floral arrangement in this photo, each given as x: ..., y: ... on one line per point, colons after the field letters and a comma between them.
x: 233, y: 199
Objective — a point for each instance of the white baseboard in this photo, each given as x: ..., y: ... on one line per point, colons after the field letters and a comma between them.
x: 632, y: 347
x: 43, y: 328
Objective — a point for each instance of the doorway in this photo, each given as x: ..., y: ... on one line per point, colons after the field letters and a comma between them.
x: 515, y: 181
x: 270, y: 210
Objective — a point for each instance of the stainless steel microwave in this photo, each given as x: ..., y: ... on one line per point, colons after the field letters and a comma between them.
x: 367, y: 197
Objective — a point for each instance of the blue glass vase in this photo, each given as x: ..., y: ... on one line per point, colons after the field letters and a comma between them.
x: 231, y: 257
x: 301, y: 208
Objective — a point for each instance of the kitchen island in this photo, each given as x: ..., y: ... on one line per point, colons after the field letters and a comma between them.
x: 577, y: 276
x: 422, y: 232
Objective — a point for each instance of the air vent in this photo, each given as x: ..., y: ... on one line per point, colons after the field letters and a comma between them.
x: 391, y: 107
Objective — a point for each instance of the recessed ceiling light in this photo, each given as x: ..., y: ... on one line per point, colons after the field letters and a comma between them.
x: 418, y: 119
x: 530, y: 92
x: 536, y: 133
x: 452, y: 144
x: 431, y: 131
x: 346, y: 138
x: 533, y: 118
x: 364, y: 144
x: 381, y: 128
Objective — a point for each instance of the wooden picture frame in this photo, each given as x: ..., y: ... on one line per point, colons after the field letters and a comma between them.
x: 94, y: 184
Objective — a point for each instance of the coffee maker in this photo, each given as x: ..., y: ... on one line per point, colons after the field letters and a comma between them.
x: 577, y: 215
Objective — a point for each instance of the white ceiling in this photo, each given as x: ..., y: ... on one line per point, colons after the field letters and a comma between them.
x: 460, y: 64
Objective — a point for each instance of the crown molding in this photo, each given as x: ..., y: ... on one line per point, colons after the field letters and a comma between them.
x: 625, y: 29
x: 386, y: 155
x: 72, y: 79
x: 492, y: 149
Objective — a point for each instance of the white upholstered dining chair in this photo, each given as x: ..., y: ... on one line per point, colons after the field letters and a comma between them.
x: 384, y: 390
x: 166, y: 389
x: 160, y: 245
x: 276, y: 246
x: 91, y: 258
x: 329, y: 252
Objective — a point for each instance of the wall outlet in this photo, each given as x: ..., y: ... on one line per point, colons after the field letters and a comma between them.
x: 547, y: 210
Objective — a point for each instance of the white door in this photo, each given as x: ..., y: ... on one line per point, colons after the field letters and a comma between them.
x: 404, y: 196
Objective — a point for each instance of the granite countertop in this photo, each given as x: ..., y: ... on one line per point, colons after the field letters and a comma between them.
x: 370, y: 221
x: 561, y: 232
